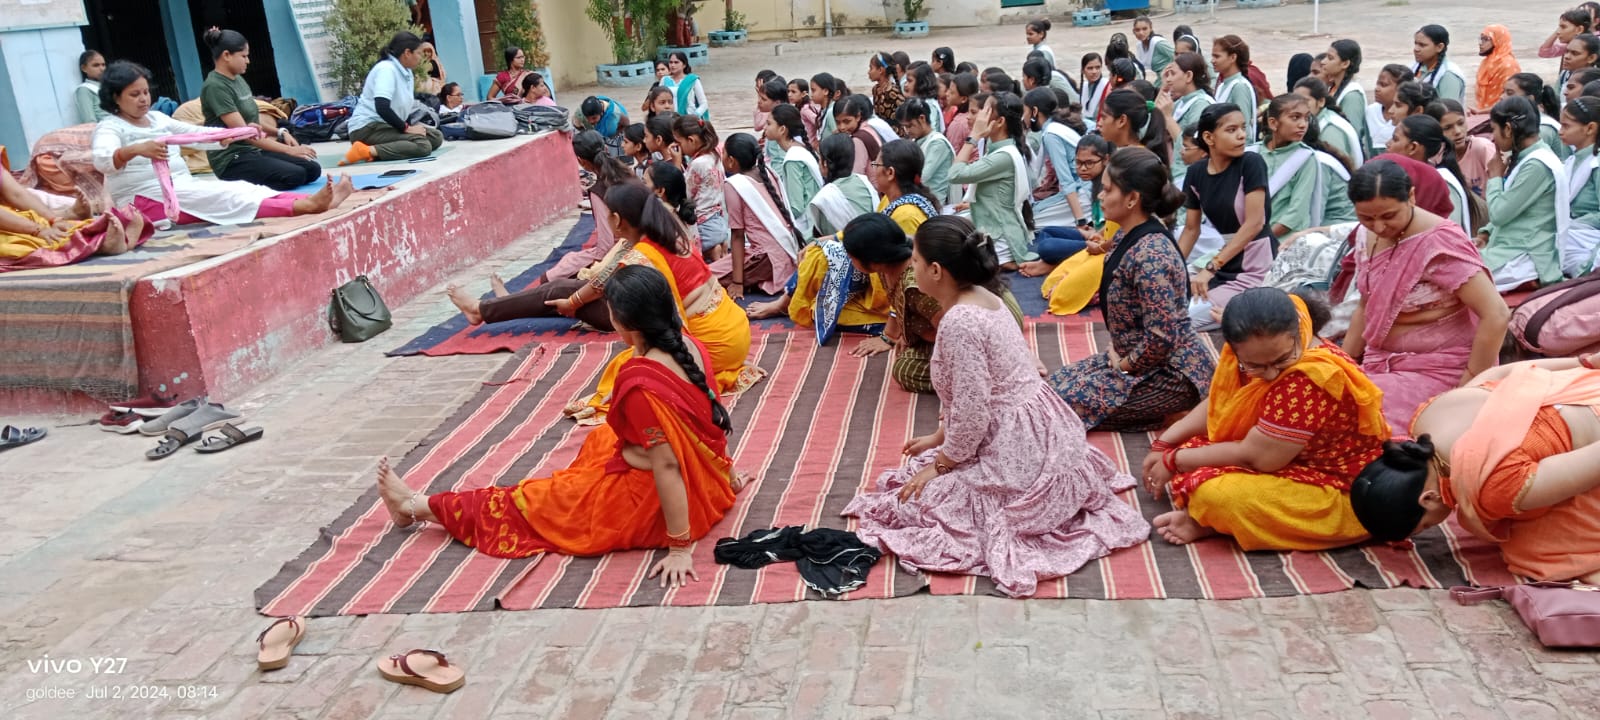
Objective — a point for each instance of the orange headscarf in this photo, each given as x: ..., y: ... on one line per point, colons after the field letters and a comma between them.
x: 1236, y: 401
x: 1495, y: 69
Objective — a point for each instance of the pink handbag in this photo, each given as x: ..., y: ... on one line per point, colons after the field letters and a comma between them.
x: 1564, y: 615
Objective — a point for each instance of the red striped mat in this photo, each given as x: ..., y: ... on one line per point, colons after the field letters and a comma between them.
x: 820, y: 428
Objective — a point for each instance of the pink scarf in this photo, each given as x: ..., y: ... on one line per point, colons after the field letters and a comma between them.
x: 1444, y: 253
x: 169, y: 196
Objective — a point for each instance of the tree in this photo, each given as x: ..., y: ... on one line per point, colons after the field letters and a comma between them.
x: 358, y: 30
x: 518, y: 26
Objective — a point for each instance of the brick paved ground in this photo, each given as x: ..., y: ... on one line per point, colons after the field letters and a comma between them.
x: 106, y: 555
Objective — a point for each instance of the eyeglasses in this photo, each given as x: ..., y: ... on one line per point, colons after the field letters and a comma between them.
x: 876, y: 164
x: 1281, y: 365
x: 1091, y: 163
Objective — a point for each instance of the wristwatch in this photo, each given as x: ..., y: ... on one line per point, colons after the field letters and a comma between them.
x: 1083, y: 222
x: 1211, y: 267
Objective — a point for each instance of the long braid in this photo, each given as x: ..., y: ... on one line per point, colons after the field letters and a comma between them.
x: 763, y: 172
x: 670, y: 340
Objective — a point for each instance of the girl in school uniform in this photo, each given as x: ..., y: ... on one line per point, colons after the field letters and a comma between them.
x: 1421, y: 138
x: 1185, y: 93
x: 1376, y: 114
x: 1231, y: 58
x: 1035, y: 32
x: 1532, y: 87
x: 1332, y: 127
x: 1580, y: 124
x: 1340, y: 66
x: 1529, y: 204
x: 938, y: 153
x: 1307, y: 186
x: 1153, y: 51
x: 799, y: 176
x: 1429, y: 47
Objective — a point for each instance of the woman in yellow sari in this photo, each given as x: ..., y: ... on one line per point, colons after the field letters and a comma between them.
x: 34, y: 236
x: 1271, y: 455
x: 649, y: 234
x: 657, y: 474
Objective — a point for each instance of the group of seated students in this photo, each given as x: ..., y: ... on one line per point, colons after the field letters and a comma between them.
x: 1351, y: 255
x: 137, y: 152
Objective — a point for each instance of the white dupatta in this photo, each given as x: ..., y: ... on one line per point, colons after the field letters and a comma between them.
x: 1578, y: 241
x: 755, y: 198
x: 832, y: 206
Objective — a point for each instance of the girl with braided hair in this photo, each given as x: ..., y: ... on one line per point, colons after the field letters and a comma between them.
x: 1580, y: 126
x: 1007, y: 487
x: 1000, y: 183
x: 799, y: 175
x: 1528, y: 201
x: 657, y: 474
x: 1547, y: 99
x: 1429, y: 47
x: 764, y: 242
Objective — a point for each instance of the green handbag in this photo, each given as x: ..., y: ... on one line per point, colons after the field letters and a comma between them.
x: 356, y: 313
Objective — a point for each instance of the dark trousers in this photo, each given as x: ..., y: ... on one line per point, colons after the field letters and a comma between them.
x: 530, y: 303
x: 275, y: 170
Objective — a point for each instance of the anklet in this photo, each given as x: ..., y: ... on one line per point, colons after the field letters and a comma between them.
x: 411, y: 506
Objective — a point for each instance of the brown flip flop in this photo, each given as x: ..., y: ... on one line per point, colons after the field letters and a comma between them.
x: 430, y: 672
x: 275, y: 654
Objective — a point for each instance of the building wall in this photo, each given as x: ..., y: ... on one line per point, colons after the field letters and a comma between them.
x: 40, y: 71
x: 808, y: 18
x: 575, y: 42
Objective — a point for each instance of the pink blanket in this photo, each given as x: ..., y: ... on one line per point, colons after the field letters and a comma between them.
x: 169, y: 196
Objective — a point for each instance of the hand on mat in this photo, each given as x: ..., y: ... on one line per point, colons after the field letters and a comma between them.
x: 676, y: 568
x: 564, y: 307
x: 872, y: 346
x: 736, y: 291
x: 912, y: 490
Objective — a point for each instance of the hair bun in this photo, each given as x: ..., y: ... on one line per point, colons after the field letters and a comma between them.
x: 1409, y: 454
x: 211, y: 36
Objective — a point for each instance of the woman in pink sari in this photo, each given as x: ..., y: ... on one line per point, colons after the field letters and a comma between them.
x: 1430, y: 318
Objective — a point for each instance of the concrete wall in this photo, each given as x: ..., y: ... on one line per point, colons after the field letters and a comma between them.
x: 455, y: 35
x: 575, y: 42
x: 38, y: 72
x: 807, y: 18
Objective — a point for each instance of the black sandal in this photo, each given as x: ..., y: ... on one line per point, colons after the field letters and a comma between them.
x: 231, y: 436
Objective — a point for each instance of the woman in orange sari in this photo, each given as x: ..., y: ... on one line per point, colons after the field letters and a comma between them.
x: 1270, y: 456
x: 1515, y: 454
x: 657, y: 474
x: 648, y: 233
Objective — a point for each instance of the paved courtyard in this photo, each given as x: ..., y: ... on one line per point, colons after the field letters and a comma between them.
x: 135, y: 578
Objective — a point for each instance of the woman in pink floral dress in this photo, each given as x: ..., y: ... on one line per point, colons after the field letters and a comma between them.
x: 1008, y: 486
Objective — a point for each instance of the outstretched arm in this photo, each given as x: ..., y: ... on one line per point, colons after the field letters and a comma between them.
x: 1561, y: 477
x: 677, y: 567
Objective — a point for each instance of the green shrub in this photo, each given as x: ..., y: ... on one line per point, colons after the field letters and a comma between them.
x: 519, y: 27
x: 358, y: 30
x: 913, y: 9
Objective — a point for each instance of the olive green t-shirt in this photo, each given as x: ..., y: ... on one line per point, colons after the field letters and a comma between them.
x: 220, y: 96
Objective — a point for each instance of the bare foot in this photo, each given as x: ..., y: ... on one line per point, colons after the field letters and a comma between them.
x: 135, y: 226
x: 764, y: 310
x: 467, y: 304
x: 317, y: 202
x: 80, y: 209
x: 115, y: 241
x: 1035, y: 268
x: 498, y: 285
x: 1178, y: 528
x: 397, y: 496
x: 341, y: 191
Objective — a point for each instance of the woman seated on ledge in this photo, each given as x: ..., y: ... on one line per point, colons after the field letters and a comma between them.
x: 32, y: 235
x: 1516, y: 455
x: 1269, y: 458
x: 129, y: 141
x: 657, y: 474
x: 380, y: 127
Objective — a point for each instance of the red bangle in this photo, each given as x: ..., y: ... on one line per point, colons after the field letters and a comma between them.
x: 1169, y: 460
x: 1159, y: 445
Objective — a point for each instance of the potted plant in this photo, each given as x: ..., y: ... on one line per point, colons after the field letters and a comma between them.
x: 677, y: 17
x: 1092, y: 14
x: 735, y: 29
x: 1188, y: 6
x: 624, y: 31
x: 357, y: 32
x: 518, y: 26
x: 911, y: 26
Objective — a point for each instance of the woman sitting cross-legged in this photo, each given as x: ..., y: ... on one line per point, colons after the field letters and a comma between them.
x: 1516, y: 455
x: 1270, y: 456
x: 1009, y: 486
x: 134, y: 145
x: 656, y: 474
x: 380, y: 126
x: 879, y: 245
x: 1429, y: 318
x: 649, y: 234
x: 1156, y: 366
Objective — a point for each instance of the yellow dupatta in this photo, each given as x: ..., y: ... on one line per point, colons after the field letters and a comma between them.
x: 1074, y: 282
x: 1235, y: 403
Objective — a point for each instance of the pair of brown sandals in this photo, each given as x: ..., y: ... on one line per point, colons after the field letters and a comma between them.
x: 427, y: 669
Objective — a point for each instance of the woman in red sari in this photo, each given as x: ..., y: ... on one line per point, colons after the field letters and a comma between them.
x: 656, y: 474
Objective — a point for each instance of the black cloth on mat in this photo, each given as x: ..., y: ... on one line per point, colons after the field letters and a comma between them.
x: 831, y: 562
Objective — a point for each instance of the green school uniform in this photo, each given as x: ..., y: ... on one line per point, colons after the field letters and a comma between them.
x: 1338, y: 137
x: 1236, y: 89
x: 1292, y: 205
x: 799, y: 186
x: 1586, y: 199
x: 1523, y: 218
x: 1186, y: 110
x: 1551, y: 136
x: 937, y: 157
x: 1353, y: 105
x: 994, y: 208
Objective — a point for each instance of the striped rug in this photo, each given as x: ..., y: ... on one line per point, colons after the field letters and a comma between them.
x: 817, y: 431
